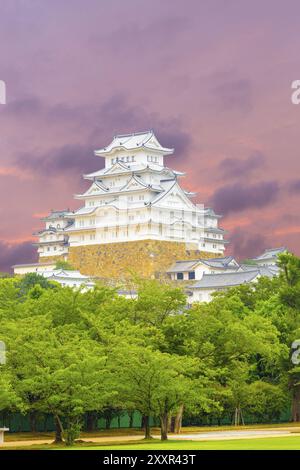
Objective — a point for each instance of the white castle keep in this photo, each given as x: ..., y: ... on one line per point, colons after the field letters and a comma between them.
x: 134, y: 197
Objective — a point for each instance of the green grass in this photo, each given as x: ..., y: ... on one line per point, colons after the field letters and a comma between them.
x: 262, y: 443
x: 267, y: 443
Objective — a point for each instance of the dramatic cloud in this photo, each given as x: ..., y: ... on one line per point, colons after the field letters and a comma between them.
x: 245, y: 245
x: 235, y: 168
x: 16, y: 254
x: 71, y: 160
x: 239, y: 197
x: 294, y: 187
x: 208, y: 79
x: 66, y: 161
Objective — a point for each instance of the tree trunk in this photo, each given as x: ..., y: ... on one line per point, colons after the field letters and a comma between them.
x: 91, y: 421
x: 108, y: 422
x: 172, y: 424
x: 296, y: 403
x: 147, y: 429
x: 58, y: 430
x: 32, y: 421
x: 178, y: 420
x: 131, y: 419
x: 164, y: 427
x: 238, y: 416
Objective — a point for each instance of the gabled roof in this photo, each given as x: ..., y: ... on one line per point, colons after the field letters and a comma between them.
x: 139, y: 183
x: 133, y: 142
x: 85, y: 210
x: 268, y: 271
x: 168, y: 185
x: 223, y: 262
x: 208, y: 211
x: 183, y: 266
x: 270, y: 254
x: 67, y: 274
x: 57, y: 215
x: 214, y: 230
x: 46, y: 230
x: 116, y: 166
x: 217, y: 263
x: 94, y: 190
x: 131, y: 168
x: 215, y: 281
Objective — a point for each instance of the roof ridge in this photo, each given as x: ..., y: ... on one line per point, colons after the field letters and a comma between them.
x: 230, y: 273
x: 133, y: 134
x: 275, y: 249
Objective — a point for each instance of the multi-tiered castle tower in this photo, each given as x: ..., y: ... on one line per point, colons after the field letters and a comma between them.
x: 135, y: 216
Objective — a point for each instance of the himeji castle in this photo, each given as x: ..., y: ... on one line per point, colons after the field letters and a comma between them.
x: 135, y: 216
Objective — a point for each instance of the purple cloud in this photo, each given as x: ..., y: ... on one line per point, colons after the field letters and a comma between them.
x: 75, y: 159
x: 238, y: 197
x: 16, y: 254
x: 245, y: 245
x: 233, y: 167
x: 294, y: 187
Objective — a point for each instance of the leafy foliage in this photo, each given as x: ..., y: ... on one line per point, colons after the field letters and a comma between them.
x: 71, y: 352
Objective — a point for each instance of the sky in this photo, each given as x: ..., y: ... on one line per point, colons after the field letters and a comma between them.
x: 211, y: 77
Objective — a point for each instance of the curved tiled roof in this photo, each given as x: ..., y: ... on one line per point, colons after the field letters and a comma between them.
x: 132, y: 142
x: 215, y: 281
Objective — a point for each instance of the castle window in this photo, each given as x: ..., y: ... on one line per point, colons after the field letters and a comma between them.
x: 192, y: 275
x: 179, y: 276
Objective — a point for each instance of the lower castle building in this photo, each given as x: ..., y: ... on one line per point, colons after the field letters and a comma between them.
x: 135, y: 216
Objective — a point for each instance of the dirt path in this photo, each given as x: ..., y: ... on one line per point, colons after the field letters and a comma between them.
x: 196, y: 436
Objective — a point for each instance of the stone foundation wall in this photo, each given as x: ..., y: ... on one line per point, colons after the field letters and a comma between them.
x: 118, y: 261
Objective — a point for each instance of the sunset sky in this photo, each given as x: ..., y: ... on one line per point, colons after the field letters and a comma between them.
x: 211, y: 77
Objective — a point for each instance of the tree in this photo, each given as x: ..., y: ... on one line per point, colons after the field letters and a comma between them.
x: 153, y: 383
x: 30, y: 280
x: 65, y: 265
x: 156, y: 302
x: 59, y: 371
x: 8, y: 397
x: 289, y: 297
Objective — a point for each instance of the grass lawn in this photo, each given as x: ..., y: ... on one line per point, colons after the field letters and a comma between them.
x: 262, y: 443
x: 268, y: 443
